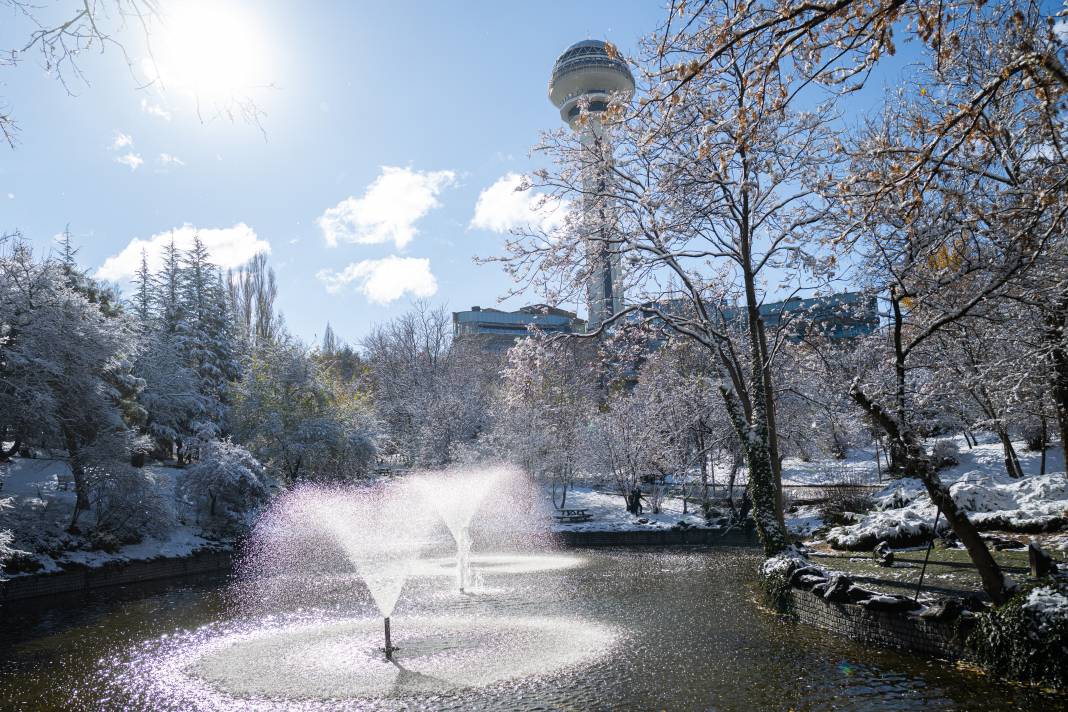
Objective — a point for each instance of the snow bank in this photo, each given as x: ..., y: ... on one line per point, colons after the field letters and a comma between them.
x: 904, y: 513
x: 42, y: 507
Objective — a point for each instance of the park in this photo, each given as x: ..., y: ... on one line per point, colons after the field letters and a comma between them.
x: 767, y: 410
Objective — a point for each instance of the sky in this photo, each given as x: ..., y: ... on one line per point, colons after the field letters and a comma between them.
x: 383, y: 124
x: 384, y: 162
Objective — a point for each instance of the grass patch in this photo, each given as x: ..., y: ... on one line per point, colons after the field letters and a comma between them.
x: 949, y: 571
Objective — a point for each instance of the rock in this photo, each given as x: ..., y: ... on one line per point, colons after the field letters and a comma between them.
x: 800, y: 571
x: 857, y: 594
x: 883, y: 554
x: 807, y: 582
x: 642, y: 520
x: 949, y: 540
x: 891, y: 604
x: 837, y: 588
x: 1001, y: 543
x: 944, y: 609
x: 1042, y: 564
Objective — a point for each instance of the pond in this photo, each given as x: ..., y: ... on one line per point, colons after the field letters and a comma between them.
x: 623, y: 629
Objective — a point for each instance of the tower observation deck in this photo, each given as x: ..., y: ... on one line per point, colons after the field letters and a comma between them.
x: 585, y: 78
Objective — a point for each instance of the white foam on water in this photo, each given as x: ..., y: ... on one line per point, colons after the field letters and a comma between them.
x: 272, y: 663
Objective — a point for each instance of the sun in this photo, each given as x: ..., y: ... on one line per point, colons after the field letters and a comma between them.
x: 208, y: 47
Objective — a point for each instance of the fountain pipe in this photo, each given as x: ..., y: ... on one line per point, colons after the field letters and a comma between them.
x: 389, y: 643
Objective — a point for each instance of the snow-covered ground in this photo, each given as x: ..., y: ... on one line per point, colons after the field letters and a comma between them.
x: 979, y: 483
x: 609, y: 512
x: 35, y: 487
x: 858, y: 467
x: 905, y: 514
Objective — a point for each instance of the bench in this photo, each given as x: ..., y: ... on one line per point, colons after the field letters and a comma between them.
x: 65, y: 481
x: 573, y: 515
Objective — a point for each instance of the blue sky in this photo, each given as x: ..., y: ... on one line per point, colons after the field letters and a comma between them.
x: 385, y: 123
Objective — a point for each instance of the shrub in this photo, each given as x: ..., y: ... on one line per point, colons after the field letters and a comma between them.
x: 844, y: 499
x: 130, y: 504
x: 1027, y: 638
x: 945, y: 453
x: 227, y: 482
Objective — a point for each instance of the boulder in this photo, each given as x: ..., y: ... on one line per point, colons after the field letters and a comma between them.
x: 1042, y: 564
x: 889, y: 603
x: 807, y: 582
x: 944, y: 609
x: 837, y: 588
x: 883, y: 554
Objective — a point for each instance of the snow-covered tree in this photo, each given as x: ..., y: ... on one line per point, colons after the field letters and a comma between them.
x: 227, y: 482
x: 300, y: 421
x: 64, y: 360
x: 431, y: 394
x: 547, y: 400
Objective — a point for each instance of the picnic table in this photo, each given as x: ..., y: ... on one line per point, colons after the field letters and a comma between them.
x: 573, y: 515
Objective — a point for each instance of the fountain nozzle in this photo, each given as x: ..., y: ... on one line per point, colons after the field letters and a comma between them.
x: 389, y: 649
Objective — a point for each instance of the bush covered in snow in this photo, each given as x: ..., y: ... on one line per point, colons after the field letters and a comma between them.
x: 226, y: 483
x: 130, y: 504
x: 1027, y: 638
x: 945, y: 453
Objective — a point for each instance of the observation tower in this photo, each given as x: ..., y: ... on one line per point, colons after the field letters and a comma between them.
x: 585, y: 78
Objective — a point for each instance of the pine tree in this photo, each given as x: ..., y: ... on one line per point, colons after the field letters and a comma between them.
x: 330, y: 344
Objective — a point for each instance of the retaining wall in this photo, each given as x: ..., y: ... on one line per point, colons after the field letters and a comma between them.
x: 113, y: 574
x: 895, y: 630
x: 661, y: 537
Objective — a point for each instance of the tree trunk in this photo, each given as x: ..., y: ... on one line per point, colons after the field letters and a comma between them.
x: 773, y: 431
x: 1012, y: 461
x: 1056, y: 323
x: 753, y: 438
x: 1045, y: 444
x: 77, y: 469
x: 917, y: 464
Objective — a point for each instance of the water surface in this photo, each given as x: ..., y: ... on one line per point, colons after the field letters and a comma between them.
x: 627, y: 630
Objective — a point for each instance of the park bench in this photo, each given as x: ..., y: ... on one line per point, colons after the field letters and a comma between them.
x: 65, y: 481
x: 572, y: 515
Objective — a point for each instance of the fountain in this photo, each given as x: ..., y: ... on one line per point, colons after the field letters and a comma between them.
x: 381, y: 534
x: 375, y: 529
x: 302, y: 632
x: 456, y: 496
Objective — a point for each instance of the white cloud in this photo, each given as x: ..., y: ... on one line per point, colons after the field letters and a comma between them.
x: 10, y: 196
x: 131, y: 159
x: 503, y: 207
x: 229, y: 247
x: 388, y: 210
x: 121, y: 140
x: 386, y: 280
x: 167, y: 159
x: 155, y: 110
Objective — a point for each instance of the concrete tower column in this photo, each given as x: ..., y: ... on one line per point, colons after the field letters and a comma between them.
x: 586, y: 77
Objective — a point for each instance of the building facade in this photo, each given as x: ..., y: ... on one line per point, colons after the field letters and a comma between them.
x: 497, y: 331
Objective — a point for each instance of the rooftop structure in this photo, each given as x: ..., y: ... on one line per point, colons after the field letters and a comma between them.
x: 838, y: 317
x: 588, y: 70
x: 497, y: 330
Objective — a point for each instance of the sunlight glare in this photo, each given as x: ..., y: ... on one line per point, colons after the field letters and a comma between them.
x: 209, y: 48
